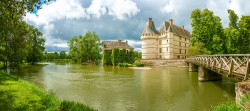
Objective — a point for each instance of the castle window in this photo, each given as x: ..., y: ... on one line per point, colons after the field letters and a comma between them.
x: 185, y: 39
x: 167, y: 41
x: 160, y: 50
x: 160, y: 42
x: 185, y: 52
x: 180, y: 51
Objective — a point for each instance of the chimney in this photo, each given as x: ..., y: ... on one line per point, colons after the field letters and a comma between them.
x: 150, y: 21
x: 182, y: 27
x: 126, y: 42
x: 119, y: 41
x: 171, y: 22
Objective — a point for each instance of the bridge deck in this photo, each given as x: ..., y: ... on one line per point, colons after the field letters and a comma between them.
x: 232, y: 65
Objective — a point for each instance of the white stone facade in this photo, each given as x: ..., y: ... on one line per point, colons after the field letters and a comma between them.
x: 170, y: 42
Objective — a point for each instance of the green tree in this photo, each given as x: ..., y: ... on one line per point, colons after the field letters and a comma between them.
x: 35, y: 46
x: 131, y: 58
x: 63, y: 55
x: 197, y: 49
x: 208, y: 29
x: 244, y: 39
x: 13, y: 34
x: 232, y: 33
x: 85, y: 48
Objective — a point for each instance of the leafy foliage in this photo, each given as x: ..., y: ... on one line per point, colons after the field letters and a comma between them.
x: 197, y: 49
x: 137, y: 55
x: 115, y: 56
x: 18, y: 40
x: 208, y: 29
x: 131, y: 58
x: 106, y: 57
x: 139, y: 64
x: 85, y: 48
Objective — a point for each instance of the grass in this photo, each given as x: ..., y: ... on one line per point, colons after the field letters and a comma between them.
x: 232, y: 106
x: 19, y: 95
x: 228, y: 106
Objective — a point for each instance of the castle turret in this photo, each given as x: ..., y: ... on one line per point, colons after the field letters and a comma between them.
x: 149, y: 40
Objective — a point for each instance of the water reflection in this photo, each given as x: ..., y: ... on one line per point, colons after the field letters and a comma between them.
x: 119, y: 88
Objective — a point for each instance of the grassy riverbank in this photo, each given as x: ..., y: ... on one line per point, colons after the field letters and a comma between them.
x: 19, y: 95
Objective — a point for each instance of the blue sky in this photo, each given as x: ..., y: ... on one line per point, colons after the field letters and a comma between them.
x: 60, y: 20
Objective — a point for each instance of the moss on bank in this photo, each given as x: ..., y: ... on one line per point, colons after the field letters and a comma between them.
x: 20, y: 95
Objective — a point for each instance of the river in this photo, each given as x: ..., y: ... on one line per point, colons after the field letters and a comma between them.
x: 108, y: 88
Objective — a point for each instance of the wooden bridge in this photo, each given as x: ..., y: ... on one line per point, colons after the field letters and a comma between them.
x: 231, y: 65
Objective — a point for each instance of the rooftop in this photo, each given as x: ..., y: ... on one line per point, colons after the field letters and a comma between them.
x: 109, y: 45
x: 166, y: 27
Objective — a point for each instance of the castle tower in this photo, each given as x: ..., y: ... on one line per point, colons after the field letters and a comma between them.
x: 149, y: 39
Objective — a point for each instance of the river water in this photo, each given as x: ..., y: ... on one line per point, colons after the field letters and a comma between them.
x: 108, y: 88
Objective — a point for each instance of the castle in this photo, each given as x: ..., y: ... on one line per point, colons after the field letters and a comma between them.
x: 170, y: 42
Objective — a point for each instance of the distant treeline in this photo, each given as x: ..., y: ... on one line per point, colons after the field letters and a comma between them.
x: 52, y: 56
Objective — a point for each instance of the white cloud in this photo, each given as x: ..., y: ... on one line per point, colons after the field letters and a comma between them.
x: 69, y: 9
x: 117, y: 8
x: 169, y: 7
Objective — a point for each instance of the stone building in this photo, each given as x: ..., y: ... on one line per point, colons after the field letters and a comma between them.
x: 170, y: 42
x: 109, y: 45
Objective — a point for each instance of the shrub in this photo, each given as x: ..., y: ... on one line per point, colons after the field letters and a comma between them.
x: 123, y: 64
x: 139, y: 64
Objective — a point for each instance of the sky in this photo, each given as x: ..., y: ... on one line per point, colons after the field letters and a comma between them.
x: 61, y: 20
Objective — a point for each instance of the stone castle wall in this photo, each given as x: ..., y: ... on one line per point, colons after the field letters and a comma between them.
x: 164, y: 62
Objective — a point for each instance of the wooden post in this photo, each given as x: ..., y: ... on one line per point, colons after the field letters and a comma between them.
x: 214, y: 64
x: 247, y: 70
x: 231, y: 68
x: 208, y: 62
x: 221, y: 64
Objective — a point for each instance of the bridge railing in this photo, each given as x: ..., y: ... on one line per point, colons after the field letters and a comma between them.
x: 231, y: 65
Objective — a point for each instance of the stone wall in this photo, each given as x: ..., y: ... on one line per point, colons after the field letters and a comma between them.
x: 242, y: 88
x: 164, y: 62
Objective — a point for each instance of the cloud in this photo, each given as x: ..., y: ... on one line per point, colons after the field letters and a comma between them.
x: 60, y: 20
x: 117, y: 8
x: 70, y: 9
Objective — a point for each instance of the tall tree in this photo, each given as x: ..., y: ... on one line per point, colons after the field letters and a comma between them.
x: 35, y: 46
x: 63, y: 55
x: 244, y: 39
x: 85, y: 48
x: 232, y: 33
x: 13, y: 30
x: 208, y: 29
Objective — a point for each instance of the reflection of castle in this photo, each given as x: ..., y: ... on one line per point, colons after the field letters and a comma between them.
x: 169, y: 42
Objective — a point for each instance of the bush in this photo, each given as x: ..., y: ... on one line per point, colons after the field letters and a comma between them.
x: 74, y: 106
x: 139, y: 64
x: 123, y: 64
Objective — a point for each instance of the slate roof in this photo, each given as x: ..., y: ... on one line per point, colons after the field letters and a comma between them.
x: 109, y: 45
x: 150, y: 30
x: 166, y: 27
